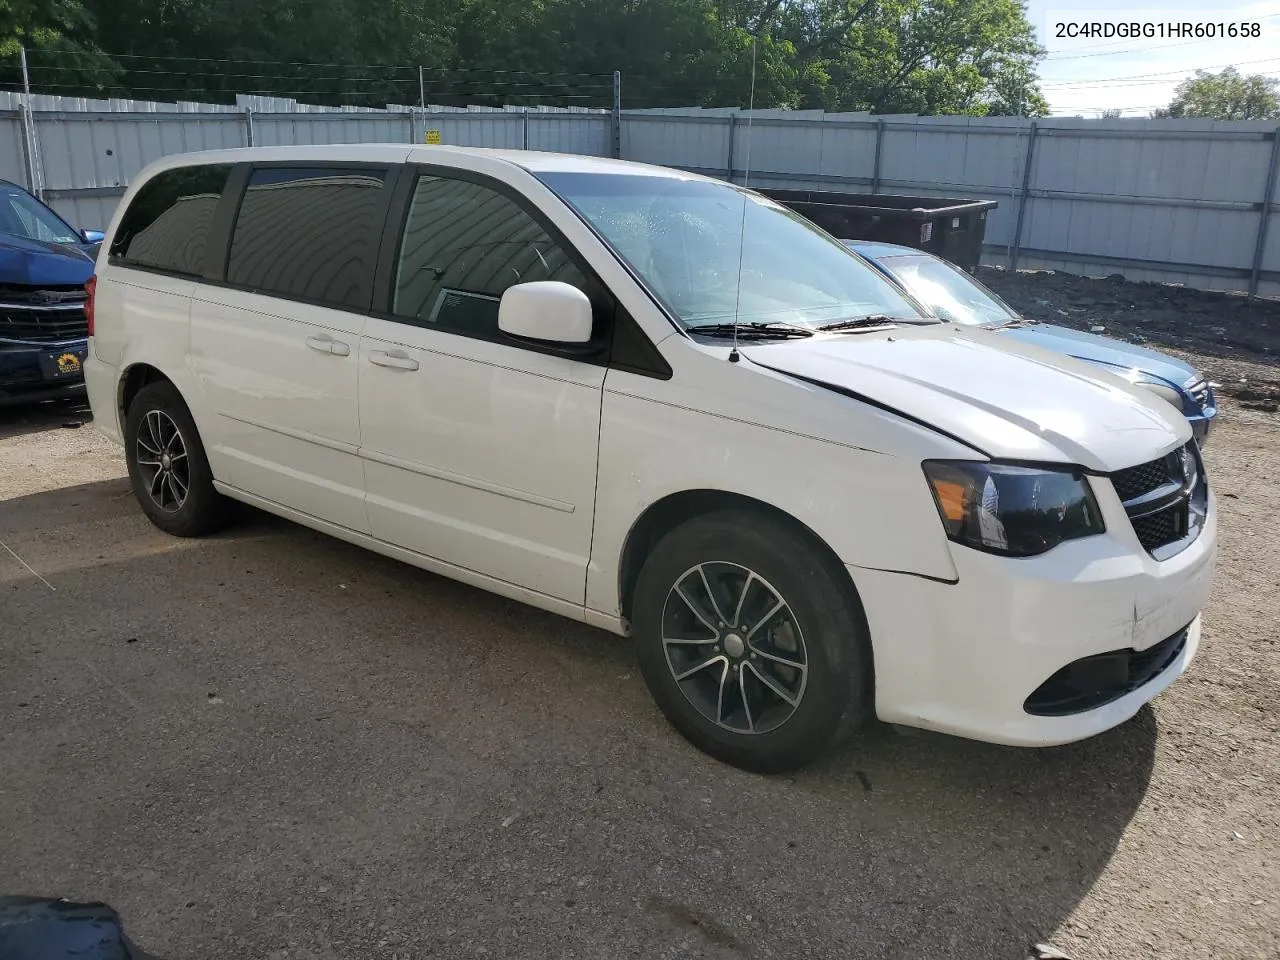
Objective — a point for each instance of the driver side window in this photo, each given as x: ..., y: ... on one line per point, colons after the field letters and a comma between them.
x: 464, y: 244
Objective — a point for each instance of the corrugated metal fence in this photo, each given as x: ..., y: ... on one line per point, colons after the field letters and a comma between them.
x: 1180, y: 201
x: 81, y: 160
x: 1183, y: 201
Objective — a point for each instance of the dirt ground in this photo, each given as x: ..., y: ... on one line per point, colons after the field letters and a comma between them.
x: 1235, y: 340
x: 270, y: 744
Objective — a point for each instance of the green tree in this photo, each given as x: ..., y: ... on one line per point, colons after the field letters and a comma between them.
x: 1228, y: 95
x: 912, y: 56
x: 923, y: 56
x: 1014, y: 91
x: 62, y: 51
x: 322, y: 50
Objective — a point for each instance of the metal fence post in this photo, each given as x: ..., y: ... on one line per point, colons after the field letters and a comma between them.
x: 733, y: 135
x: 30, y: 139
x: 422, y: 106
x: 248, y: 126
x: 525, y: 130
x: 1268, y: 197
x: 875, y: 171
x: 1022, y: 199
x: 616, y: 118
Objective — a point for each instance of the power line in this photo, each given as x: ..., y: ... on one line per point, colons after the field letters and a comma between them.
x: 370, y: 66
x: 506, y: 84
x: 1166, y: 73
x: 364, y: 94
x: 1073, y: 88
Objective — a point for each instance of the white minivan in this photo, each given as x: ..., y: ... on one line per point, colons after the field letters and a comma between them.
x: 666, y: 406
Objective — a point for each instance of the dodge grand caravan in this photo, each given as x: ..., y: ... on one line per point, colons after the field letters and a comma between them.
x: 665, y: 406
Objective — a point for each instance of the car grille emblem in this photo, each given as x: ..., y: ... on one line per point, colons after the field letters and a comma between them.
x: 48, y: 297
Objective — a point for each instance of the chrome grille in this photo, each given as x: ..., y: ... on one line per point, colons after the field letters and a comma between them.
x: 48, y: 314
x: 1166, y: 500
x: 1199, y: 391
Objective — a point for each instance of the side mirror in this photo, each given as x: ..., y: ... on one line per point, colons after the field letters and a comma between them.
x: 546, y: 310
x: 93, y: 236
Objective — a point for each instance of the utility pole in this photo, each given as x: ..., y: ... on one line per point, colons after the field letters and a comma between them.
x: 35, y: 178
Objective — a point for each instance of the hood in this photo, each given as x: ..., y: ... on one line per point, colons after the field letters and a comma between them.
x: 1096, y: 349
x: 1004, y: 398
x: 37, y: 262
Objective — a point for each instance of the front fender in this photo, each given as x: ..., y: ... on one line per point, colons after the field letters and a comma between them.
x: 872, y: 509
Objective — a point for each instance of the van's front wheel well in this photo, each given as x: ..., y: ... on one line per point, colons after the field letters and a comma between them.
x: 671, y: 511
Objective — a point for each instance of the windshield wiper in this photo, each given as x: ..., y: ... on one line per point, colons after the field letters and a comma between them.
x: 858, y: 323
x: 873, y: 320
x: 772, y: 330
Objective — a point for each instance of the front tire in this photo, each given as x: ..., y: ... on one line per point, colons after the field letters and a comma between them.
x: 168, y: 467
x: 752, y: 642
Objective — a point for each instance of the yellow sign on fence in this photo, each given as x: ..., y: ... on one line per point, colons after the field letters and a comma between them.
x: 431, y: 136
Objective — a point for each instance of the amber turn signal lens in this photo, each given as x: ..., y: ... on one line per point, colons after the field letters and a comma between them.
x: 951, y: 499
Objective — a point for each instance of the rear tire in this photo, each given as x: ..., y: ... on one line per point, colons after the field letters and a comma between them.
x: 752, y: 641
x: 168, y: 467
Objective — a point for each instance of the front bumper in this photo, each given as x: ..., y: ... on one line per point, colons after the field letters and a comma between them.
x: 1202, y: 423
x: 36, y: 371
x: 963, y: 658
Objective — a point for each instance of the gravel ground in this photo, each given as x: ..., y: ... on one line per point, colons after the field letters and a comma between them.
x: 269, y: 744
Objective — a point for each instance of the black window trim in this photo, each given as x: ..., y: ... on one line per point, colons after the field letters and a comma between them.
x: 224, y: 220
x: 211, y: 242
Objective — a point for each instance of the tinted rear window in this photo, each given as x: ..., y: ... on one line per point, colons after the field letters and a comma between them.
x: 167, y: 225
x: 310, y: 234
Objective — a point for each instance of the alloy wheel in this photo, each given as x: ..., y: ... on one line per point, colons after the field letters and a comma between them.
x: 161, y: 457
x: 734, y: 647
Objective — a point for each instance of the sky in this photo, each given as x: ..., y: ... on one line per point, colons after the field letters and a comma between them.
x: 1090, y: 74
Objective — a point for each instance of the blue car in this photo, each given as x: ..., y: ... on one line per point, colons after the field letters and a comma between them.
x: 957, y: 297
x: 44, y: 263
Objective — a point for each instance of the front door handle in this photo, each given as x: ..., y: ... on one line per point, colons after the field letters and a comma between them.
x: 326, y: 344
x: 397, y: 359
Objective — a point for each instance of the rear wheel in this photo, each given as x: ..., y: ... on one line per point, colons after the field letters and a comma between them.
x: 751, y: 641
x: 168, y: 467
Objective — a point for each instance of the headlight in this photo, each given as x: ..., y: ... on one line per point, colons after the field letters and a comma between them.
x: 1162, y: 390
x: 1013, y: 511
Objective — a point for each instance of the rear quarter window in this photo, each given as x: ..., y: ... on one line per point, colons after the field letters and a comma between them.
x: 167, y: 225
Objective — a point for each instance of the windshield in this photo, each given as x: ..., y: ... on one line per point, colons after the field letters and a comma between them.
x: 23, y: 215
x: 685, y: 239
x: 948, y: 291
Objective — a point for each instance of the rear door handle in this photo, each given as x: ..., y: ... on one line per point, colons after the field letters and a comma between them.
x: 397, y: 359
x: 326, y: 344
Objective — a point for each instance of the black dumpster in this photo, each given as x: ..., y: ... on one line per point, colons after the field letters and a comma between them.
x: 950, y: 228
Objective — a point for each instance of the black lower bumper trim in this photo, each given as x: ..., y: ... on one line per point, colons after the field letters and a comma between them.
x: 1095, y: 681
x: 74, y: 389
